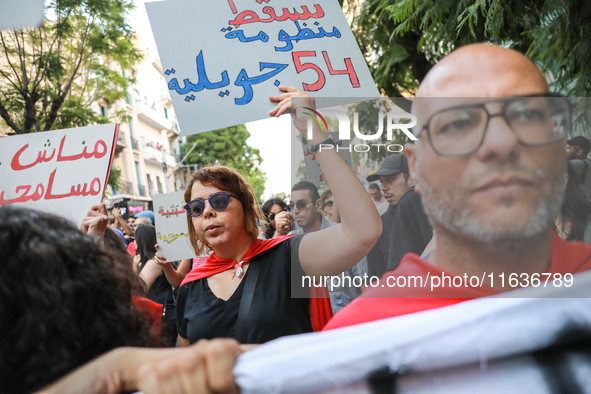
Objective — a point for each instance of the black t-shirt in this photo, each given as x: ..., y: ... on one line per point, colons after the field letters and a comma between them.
x: 406, y: 229
x: 273, y: 312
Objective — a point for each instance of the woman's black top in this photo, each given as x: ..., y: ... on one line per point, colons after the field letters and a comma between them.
x: 273, y: 312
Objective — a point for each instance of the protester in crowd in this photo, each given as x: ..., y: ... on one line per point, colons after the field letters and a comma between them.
x: 575, y: 213
x: 410, y: 231
x: 147, y: 214
x: 65, y: 298
x: 376, y: 194
x: 136, y: 223
x: 331, y: 211
x: 158, y: 288
x: 493, y: 193
x: 577, y: 149
x: 114, y: 240
x: 126, y: 228
x: 275, y: 211
x: 306, y: 210
x: 394, y: 177
x: 222, y: 216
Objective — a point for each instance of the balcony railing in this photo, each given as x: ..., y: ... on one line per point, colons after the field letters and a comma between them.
x: 154, y: 155
x: 142, y: 190
x: 151, y: 116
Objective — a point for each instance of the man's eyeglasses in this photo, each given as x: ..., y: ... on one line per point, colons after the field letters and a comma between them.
x: 535, y: 121
x: 218, y: 201
x: 272, y: 215
x: 300, y: 204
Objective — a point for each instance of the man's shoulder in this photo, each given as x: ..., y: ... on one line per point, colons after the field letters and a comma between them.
x: 409, y: 198
x: 569, y: 257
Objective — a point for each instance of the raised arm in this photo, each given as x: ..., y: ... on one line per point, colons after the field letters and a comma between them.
x: 119, y: 219
x: 338, y: 248
x: 174, y: 277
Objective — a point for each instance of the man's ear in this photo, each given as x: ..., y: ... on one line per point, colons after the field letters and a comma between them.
x: 411, y: 155
x: 319, y: 204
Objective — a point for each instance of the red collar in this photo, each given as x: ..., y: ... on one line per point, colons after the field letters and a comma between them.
x: 214, y: 265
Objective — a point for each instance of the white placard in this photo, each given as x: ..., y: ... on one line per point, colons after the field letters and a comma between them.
x: 313, y: 171
x: 171, y: 226
x: 223, y: 59
x: 19, y: 14
x: 62, y: 172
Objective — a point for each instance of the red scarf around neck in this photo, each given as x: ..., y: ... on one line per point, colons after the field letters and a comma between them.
x: 320, y: 309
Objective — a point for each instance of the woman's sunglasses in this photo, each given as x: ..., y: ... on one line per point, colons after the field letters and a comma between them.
x: 328, y: 204
x: 218, y: 201
x: 272, y: 215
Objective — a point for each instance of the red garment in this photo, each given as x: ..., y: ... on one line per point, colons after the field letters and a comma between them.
x: 153, y: 310
x: 131, y: 248
x: 380, y: 302
x: 320, y: 309
x: 214, y: 265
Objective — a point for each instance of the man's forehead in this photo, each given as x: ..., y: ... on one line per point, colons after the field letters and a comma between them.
x: 297, y: 195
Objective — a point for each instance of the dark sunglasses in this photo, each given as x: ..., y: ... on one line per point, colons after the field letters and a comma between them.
x: 272, y: 215
x: 329, y: 204
x: 218, y: 201
x: 300, y: 204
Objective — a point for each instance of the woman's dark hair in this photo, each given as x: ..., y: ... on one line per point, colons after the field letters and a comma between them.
x: 113, y: 241
x: 575, y: 206
x: 269, y: 229
x: 145, y: 236
x: 64, y: 300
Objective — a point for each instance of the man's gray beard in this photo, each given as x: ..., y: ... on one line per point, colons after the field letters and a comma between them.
x: 461, y: 221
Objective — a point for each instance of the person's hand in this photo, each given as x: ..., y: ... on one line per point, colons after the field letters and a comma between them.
x: 297, y: 107
x: 205, y: 367
x: 96, y: 221
x: 159, y: 259
x: 116, y: 212
x: 282, y: 223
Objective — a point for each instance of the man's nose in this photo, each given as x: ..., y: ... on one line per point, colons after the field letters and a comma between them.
x: 500, y: 140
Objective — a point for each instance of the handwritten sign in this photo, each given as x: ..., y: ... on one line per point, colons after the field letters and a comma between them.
x: 171, y: 226
x: 313, y: 171
x: 223, y: 59
x: 63, y: 172
x: 18, y: 14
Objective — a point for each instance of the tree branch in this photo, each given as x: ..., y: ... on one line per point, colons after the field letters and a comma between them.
x: 9, y: 62
x: 6, y: 116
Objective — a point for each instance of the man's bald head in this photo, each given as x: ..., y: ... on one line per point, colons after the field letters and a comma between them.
x: 482, y: 70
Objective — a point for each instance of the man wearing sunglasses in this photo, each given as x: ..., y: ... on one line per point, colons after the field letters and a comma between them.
x: 490, y: 167
x: 306, y: 207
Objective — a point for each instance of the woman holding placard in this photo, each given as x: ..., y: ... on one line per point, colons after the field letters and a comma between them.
x: 244, y: 289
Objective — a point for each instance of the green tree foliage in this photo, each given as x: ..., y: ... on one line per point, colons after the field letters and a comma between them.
x: 228, y: 147
x: 404, y: 38
x: 50, y: 76
x: 114, y: 178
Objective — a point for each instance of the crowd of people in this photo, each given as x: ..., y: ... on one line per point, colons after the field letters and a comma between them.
x: 492, y: 184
